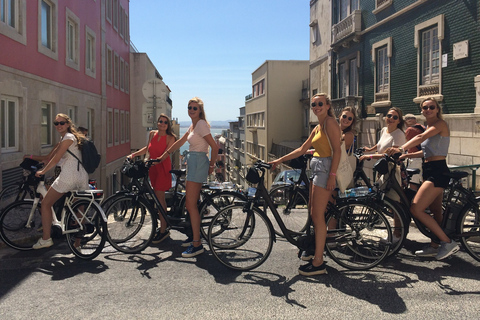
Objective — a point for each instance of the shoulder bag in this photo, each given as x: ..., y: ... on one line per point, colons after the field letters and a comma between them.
x: 344, y: 174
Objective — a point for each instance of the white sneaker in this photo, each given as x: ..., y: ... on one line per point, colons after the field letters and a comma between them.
x: 43, y: 243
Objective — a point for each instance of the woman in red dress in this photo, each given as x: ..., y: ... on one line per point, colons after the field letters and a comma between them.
x: 159, y: 174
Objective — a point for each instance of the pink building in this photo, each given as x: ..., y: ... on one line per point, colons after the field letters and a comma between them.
x: 70, y: 57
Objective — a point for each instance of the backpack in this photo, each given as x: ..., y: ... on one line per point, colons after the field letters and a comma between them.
x: 422, y: 129
x: 90, y: 156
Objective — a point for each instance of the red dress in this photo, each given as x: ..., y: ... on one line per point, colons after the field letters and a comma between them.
x: 159, y: 174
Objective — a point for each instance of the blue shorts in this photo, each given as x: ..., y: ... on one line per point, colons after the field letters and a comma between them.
x: 320, y: 168
x: 197, y: 167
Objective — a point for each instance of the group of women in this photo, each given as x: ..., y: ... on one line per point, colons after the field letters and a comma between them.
x: 325, y: 139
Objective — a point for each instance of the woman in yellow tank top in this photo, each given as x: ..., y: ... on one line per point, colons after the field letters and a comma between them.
x: 324, y: 166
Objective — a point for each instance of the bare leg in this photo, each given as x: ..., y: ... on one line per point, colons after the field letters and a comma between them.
x: 161, y: 197
x: 429, y: 195
x: 47, y: 203
x: 191, y: 198
x: 319, y: 200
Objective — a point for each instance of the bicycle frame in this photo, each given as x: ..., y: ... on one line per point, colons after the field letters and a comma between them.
x: 69, y: 200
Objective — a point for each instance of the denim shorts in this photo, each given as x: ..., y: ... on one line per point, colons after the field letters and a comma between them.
x: 320, y: 168
x: 197, y: 167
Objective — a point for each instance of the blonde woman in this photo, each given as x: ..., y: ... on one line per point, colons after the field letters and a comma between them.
x: 198, y: 168
x: 435, y: 142
x: 72, y: 176
x: 324, y: 166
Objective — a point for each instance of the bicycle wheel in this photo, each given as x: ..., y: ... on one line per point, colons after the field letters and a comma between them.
x: 213, y: 204
x: 87, y: 242
x: 363, y: 235
x: 130, y: 224
x: 8, y: 195
x: 469, y: 229
x: 13, y: 225
x: 292, y: 206
x: 398, y: 222
x: 240, y: 239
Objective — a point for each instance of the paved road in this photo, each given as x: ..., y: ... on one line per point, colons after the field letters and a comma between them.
x: 160, y: 284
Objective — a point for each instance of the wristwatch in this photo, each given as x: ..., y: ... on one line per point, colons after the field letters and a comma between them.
x: 401, y: 149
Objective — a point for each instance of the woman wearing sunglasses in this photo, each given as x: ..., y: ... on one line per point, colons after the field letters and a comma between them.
x: 324, y: 166
x: 158, y: 141
x: 435, y: 142
x: 391, y: 136
x: 198, y: 168
x: 348, y: 119
x: 72, y: 176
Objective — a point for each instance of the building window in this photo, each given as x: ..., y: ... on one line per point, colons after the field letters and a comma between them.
x: 121, y: 24
x: 122, y: 126
x: 90, y: 124
x: 345, y: 8
x: 428, y: 41
x: 381, y: 5
x: 13, y: 20
x: 72, y: 113
x: 90, y: 52
x: 430, y: 56
x: 108, y: 6
x: 109, y: 66
x: 110, y: 127
x: 127, y: 126
x: 115, y: 14
x: 121, y: 73
x: 382, y: 52
x: 127, y: 78
x: 116, y: 127
x: 347, y: 74
x: 126, y: 28
x: 46, y: 124
x: 116, y: 75
x: 259, y: 88
x: 9, y: 124
x: 47, y: 28
x: 72, y: 40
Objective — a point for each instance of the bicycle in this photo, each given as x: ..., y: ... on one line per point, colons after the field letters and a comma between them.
x: 19, y: 190
x: 132, y: 215
x: 461, y: 216
x: 291, y: 199
x: 82, y: 221
x: 241, y: 235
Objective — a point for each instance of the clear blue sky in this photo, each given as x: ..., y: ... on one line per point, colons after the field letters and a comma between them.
x: 209, y: 48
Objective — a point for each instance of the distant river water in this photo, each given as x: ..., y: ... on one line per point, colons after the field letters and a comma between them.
x: 214, y: 132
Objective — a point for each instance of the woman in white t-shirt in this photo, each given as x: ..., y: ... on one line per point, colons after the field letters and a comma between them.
x: 72, y: 176
x: 198, y: 168
x: 392, y: 135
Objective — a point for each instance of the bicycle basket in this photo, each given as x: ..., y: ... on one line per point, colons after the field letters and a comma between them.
x: 381, y: 166
x: 134, y: 170
x: 298, y: 163
x: 253, y: 176
x: 29, y: 164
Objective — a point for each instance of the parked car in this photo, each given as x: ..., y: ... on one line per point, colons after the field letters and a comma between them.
x: 287, y: 176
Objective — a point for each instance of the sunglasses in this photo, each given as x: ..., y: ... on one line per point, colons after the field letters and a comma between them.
x: 428, y: 107
x: 194, y: 108
x: 392, y: 116
x: 161, y: 121
x: 345, y: 117
x: 56, y: 123
x: 315, y: 104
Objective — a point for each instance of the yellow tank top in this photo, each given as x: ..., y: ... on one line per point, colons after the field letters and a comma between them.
x: 320, y: 144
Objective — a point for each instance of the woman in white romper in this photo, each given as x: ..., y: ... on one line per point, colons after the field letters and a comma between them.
x: 72, y: 177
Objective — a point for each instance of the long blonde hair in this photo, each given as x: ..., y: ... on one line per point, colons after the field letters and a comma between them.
x: 169, y: 125
x: 72, y: 129
x: 202, y: 114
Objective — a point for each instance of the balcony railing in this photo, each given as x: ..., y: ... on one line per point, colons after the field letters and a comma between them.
x: 348, y: 26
